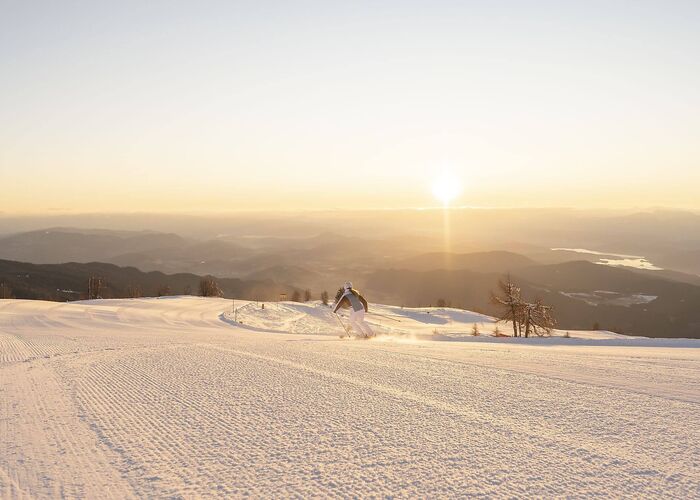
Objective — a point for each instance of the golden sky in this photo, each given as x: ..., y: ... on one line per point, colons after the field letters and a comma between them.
x: 258, y: 105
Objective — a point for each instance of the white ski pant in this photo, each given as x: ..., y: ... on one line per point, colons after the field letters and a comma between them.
x: 358, y: 323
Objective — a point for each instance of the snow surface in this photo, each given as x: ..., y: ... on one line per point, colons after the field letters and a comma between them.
x: 171, y: 398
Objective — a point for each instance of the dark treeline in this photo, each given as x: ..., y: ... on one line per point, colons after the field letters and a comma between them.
x: 72, y: 281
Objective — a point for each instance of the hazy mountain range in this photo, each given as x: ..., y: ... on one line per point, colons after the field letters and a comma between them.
x: 404, y: 263
x: 583, y: 294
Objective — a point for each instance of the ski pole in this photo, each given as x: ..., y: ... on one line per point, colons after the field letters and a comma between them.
x: 341, y: 324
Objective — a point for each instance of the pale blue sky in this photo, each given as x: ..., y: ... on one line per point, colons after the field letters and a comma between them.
x: 233, y: 105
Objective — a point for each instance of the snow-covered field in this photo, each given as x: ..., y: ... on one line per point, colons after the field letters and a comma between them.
x: 171, y: 398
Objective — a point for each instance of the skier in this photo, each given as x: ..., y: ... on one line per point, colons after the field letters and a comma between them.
x: 351, y: 299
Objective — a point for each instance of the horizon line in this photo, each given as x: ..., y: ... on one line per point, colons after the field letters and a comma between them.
x: 439, y: 207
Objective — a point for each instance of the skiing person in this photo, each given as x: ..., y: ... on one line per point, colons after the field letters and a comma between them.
x: 351, y: 299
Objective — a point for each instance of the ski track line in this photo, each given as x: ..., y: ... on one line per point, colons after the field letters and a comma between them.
x: 692, y: 397
x: 96, y: 400
x: 59, y: 448
x: 108, y: 375
x: 12, y: 349
x: 145, y: 425
x: 92, y: 400
x: 593, y: 426
x: 16, y: 349
x: 10, y: 488
x: 143, y: 376
x: 157, y: 430
x: 566, y: 446
x: 95, y: 403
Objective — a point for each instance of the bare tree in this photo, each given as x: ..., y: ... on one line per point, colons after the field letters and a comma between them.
x: 538, y: 319
x: 442, y: 303
x: 528, y: 318
x: 296, y: 296
x: 512, y: 304
x: 208, y: 287
x: 164, y: 291
x: 307, y: 295
x: 324, y: 298
x: 475, y: 330
x: 133, y: 291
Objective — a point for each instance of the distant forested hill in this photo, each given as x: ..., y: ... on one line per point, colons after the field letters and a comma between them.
x: 69, y: 282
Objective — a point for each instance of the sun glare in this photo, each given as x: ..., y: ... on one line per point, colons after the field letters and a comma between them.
x: 446, y: 188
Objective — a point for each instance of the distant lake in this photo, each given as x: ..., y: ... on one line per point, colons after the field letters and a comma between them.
x: 615, y: 259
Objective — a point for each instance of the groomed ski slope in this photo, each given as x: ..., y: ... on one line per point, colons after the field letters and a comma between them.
x: 170, y: 398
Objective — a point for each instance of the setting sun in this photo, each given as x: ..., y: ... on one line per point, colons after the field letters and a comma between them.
x: 446, y: 188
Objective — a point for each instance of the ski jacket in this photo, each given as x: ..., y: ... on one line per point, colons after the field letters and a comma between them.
x: 351, y: 299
